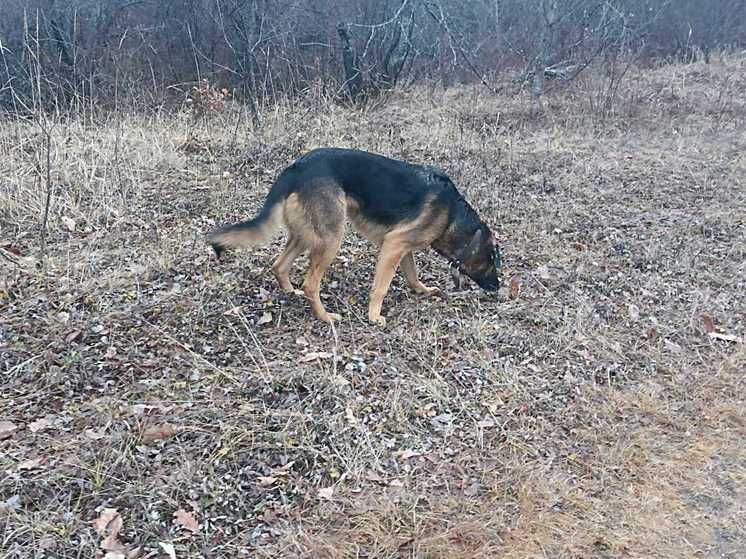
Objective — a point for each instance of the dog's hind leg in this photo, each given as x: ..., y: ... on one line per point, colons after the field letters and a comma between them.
x: 281, y: 267
x: 321, y: 257
x: 409, y: 269
x: 319, y: 222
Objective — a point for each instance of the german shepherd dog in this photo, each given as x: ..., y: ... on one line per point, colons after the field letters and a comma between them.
x: 396, y: 205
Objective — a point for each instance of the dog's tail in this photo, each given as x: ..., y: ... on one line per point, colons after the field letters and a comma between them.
x: 256, y: 231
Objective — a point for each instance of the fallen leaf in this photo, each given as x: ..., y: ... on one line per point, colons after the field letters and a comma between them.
x: 11, y: 503
x: 374, y: 476
x: 105, y: 517
x: 407, y: 454
x: 168, y: 549
x: 725, y: 337
x: 233, y: 311
x: 108, y: 525
x: 350, y: 415
x: 7, y: 428
x: 68, y: 222
x: 472, y: 489
x: 326, y: 493
x: 286, y: 468
x: 543, y: 272
x: 396, y: 483
x: 515, y: 288
x: 187, y: 520
x: 633, y: 311
x: 708, y: 324
x: 154, y: 433
x: 339, y: 380
x: 115, y: 555
x: 30, y: 464
x: 311, y: 355
x: 12, y: 249
x: 266, y: 481
x: 266, y: 318
x: 39, y: 425
x: 72, y: 335
x: 94, y: 435
x: 47, y: 542
x: 111, y: 352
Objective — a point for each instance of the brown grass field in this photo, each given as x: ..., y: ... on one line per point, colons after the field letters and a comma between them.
x: 156, y: 403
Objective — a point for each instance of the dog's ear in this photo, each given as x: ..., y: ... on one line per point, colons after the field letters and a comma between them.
x: 474, y: 244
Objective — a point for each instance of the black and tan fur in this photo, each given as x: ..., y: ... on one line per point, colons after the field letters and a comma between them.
x: 398, y: 206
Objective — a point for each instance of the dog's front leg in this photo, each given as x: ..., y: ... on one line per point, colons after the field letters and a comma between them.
x: 388, y: 261
x: 409, y: 269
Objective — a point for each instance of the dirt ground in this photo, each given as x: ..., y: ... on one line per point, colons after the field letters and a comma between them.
x: 157, y: 403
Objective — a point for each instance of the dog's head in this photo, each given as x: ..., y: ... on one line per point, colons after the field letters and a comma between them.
x: 480, y: 259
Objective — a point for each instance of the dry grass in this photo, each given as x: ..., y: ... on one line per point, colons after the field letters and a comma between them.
x: 594, y: 415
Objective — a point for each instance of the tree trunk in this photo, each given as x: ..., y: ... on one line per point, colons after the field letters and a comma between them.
x: 549, y: 19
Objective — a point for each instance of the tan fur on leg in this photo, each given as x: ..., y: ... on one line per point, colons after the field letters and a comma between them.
x: 281, y: 267
x: 409, y: 269
x: 388, y: 261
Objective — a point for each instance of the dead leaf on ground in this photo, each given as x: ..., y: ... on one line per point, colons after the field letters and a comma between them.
x: 725, y: 337
x: 154, y: 433
x: 39, y: 425
x: 266, y: 481
x: 326, y: 493
x: 543, y: 272
x: 93, y: 435
x: 68, y: 222
x: 350, y: 415
x: 7, y: 428
x: 372, y: 475
x: 31, y: 464
x: 407, y: 454
x: 108, y: 525
x: 266, y: 318
x: 72, y: 335
x: 633, y: 311
x: 708, y: 324
x: 472, y: 489
x: 12, y: 503
x: 311, y: 355
x: 168, y: 549
x: 515, y: 288
x: 187, y: 520
x: 233, y: 311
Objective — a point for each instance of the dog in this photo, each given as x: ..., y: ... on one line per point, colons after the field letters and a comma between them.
x: 398, y: 206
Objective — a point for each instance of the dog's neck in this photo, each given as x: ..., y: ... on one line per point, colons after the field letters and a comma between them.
x: 450, y: 245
